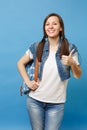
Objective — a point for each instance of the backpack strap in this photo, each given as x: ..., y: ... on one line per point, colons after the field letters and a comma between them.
x: 36, y: 70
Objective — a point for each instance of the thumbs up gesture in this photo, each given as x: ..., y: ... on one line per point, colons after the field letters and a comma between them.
x: 68, y: 60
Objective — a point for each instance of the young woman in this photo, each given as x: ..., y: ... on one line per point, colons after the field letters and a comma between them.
x: 45, y: 102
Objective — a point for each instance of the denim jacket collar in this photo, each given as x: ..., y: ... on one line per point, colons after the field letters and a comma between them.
x: 46, y: 46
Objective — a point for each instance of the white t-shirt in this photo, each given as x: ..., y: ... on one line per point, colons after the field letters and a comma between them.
x: 51, y: 89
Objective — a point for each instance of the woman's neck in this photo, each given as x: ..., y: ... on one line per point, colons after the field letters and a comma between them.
x: 53, y: 43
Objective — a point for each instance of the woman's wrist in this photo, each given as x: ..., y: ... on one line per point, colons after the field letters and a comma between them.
x: 27, y: 81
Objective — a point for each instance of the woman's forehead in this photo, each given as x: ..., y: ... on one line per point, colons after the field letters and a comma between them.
x: 52, y: 18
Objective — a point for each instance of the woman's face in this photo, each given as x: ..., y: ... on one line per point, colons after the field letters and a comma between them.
x: 52, y: 27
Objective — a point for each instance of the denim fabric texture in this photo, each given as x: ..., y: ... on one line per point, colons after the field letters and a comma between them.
x: 64, y: 71
x: 44, y: 116
x: 30, y: 72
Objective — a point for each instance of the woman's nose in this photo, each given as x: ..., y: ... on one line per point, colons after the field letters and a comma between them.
x: 50, y: 26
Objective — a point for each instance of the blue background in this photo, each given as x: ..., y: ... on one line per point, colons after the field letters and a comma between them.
x: 20, y: 25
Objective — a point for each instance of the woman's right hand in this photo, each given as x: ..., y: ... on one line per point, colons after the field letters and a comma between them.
x: 33, y: 85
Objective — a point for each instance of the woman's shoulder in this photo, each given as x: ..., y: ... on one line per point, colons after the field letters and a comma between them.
x: 72, y: 46
x: 33, y: 47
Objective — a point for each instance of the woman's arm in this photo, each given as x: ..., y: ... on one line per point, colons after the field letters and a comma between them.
x: 76, y: 70
x: 21, y: 67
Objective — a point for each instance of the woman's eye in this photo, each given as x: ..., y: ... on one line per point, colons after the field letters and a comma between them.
x: 47, y: 24
x: 54, y: 23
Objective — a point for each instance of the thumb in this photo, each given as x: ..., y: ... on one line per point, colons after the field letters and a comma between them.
x: 71, y: 53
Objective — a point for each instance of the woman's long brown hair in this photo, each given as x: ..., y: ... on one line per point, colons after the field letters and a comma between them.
x: 64, y: 45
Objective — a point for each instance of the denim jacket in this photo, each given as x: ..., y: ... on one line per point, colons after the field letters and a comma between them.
x: 64, y: 71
